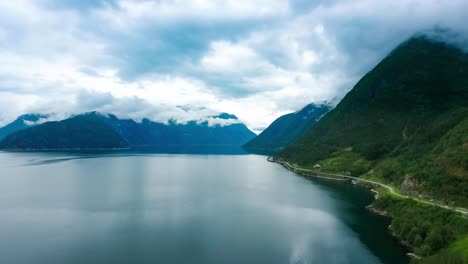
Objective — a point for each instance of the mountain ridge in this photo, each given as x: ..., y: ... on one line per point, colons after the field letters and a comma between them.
x: 20, y: 123
x: 286, y: 129
x: 111, y: 132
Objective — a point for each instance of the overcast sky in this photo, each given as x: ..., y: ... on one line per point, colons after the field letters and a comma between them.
x: 188, y: 59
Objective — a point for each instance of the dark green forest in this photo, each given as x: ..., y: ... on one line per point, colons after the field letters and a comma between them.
x: 428, y: 229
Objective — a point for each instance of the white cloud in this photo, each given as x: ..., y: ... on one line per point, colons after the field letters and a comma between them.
x: 304, y: 65
x: 212, y: 121
x: 129, y: 13
x: 34, y: 31
x: 49, y: 118
x: 230, y: 58
x: 255, y: 59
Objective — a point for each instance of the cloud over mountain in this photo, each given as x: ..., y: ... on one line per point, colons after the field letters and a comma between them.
x: 256, y: 59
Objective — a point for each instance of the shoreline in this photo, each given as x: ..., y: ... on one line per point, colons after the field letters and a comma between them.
x: 64, y: 149
x: 363, y: 182
x: 405, y: 245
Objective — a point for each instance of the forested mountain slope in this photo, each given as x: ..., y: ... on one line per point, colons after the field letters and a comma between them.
x: 406, y: 122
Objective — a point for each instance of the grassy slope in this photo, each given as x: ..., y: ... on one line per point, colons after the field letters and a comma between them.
x: 438, y: 166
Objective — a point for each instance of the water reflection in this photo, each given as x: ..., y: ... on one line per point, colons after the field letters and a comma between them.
x: 181, y: 209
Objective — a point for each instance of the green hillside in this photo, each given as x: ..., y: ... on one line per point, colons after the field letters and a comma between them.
x: 430, y: 230
x: 405, y: 122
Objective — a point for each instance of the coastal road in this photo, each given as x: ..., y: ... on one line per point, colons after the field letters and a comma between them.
x: 334, y: 176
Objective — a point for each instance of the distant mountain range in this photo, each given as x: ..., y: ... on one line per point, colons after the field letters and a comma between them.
x: 286, y: 129
x: 95, y: 131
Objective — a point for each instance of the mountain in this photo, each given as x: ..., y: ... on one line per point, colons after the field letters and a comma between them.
x: 182, y: 138
x: 97, y: 131
x: 20, y: 123
x: 286, y: 129
x: 405, y: 122
x: 85, y: 131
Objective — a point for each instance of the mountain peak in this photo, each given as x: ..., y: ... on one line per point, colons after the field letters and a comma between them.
x: 22, y: 122
x: 286, y: 129
x: 432, y: 40
x: 226, y: 116
x: 32, y: 117
x: 94, y: 113
x: 443, y: 35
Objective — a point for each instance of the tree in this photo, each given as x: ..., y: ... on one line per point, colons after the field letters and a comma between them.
x: 435, y: 239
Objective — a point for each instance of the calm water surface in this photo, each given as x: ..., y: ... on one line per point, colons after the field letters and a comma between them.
x: 58, y: 208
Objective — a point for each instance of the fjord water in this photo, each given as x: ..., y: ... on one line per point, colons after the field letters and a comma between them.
x: 58, y: 208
